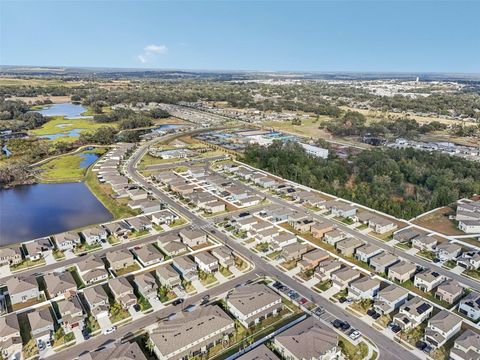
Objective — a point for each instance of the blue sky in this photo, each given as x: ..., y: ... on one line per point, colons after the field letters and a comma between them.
x: 403, y: 36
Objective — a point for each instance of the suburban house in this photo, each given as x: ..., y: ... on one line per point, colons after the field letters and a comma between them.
x: 72, y: 315
x: 343, y: 277
x: 192, y: 237
x: 118, y: 229
x: 390, y: 298
x: 340, y: 208
x: 308, y: 339
x: 261, y: 352
x: 267, y: 235
x: 163, y: 217
x: 146, y: 285
x: 366, y: 252
x: 319, y: 229
x: 173, y: 248
x: 283, y: 239
x: 303, y: 225
x: 120, y: 259
x: 254, y: 303
x: 442, y: 327
x: 364, y: 288
x: 168, y: 276
x: 348, y: 246
x: 449, y: 291
x: 92, y: 270
x: 140, y: 223
x: 60, y: 284
x: 311, y: 259
x: 381, y: 225
x: 427, y: 280
x: 148, y: 255
x: 413, y: 313
x: 383, y: 261
x: 468, y: 217
x: 448, y: 251
x: 401, y: 271
x: 97, y: 300
x: 67, y: 240
x: 137, y: 194
x: 122, y: 290
x: 22, y: 289
x: 224, y: 256
x: 191, y: 333
x: 426, y: 243
x: 214, y: 207
x: 94, y: 235
x: 469, y: 260
x: 408, y: 234
x: 206, y: 262
x: 10, y: 256
x: 37, y: 249
x: 186, y: 267
x: 125, y: 351
x: 41, y: 325
x: 470, y: 306
x: 466, y: 346
x: 325, y: 268
x: 334, y: 236
x: 294, y: 251
x: 10, y: 340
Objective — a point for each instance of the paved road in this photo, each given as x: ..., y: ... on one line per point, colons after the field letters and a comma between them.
x: 385, y: 345
x: 182, y: 163
x: 132, y: 327
x: 369, y: 239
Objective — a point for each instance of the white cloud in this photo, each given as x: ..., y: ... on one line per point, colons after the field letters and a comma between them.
x: 150, y: 53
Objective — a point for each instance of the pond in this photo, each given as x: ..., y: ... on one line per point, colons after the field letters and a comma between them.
x: 71, y: 133
x: 32, y: 211
x: 166, y: 127
x: 88, y: 159
x: 69, y: 110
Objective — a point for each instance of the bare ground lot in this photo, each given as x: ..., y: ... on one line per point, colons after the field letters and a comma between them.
x: 438, y: 221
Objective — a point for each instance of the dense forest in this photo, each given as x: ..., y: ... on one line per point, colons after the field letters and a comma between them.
x: 403, y: 183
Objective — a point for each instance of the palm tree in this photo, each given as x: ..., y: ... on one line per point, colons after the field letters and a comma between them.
x: 150, y: 345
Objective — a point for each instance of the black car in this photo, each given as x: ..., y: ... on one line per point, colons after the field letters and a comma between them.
x: 342, y: 300
x: 345, y: 326
x: 137, y: 307
x: 177, y: 302
x: 376, y: 316
x: 420, y: 345
x: 277, y: 285
x: 337, y: 323
x: 396, y: 328
x: 371, y: 312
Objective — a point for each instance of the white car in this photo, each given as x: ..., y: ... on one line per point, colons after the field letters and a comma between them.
x: 110, y: 330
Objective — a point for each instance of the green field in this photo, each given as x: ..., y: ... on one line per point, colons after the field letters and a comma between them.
x: 60, y: 125
x: 66, y: 168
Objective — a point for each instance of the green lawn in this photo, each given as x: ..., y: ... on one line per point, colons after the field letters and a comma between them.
x: 103, y: 194
x: 60, y: 125
x: 27, y: 263
x: 353, y: 352
x: 127, y: 270
x: 225, y: 271
x: 323, y: 285
x: 117, y: 313
x: 207, y: 279
x: 66, y: 168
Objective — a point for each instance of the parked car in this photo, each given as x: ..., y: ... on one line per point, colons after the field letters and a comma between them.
x: 371, y: 312
x: 337, y: 323
x: 421, y: 345
x: 318, y: 311
x: 376, y: 316
x: 355, y: 335
x: 302, y: 301
x: 342, y: 300
x: 177, y: 302
x: 345, y: 326
x: 137, y: 307
x: 396, y: 328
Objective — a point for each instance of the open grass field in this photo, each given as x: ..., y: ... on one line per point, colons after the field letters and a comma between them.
x: 66, y: 168
x: 60, y: 125
x: 438, y: 221
x: 308, y: 127
x: 5, y: 81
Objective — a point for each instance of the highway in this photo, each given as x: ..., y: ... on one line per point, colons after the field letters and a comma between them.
x: 385, y: 345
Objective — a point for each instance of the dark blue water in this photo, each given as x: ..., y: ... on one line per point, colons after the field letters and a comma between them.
x: 69, y: 110
x: 31, y: 211
x: 88, y: 159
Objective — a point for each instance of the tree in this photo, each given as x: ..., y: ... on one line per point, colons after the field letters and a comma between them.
x: 149, y: 345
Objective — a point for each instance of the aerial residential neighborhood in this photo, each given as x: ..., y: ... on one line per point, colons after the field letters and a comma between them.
x: 223, y: 180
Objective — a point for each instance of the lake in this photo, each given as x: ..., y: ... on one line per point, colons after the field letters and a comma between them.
x: 71, y: 133
x: 88, y: 159
x: 32, y: 211
x: 69, y: 110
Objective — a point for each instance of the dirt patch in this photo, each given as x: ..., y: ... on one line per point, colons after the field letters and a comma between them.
x: 439, y: 221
